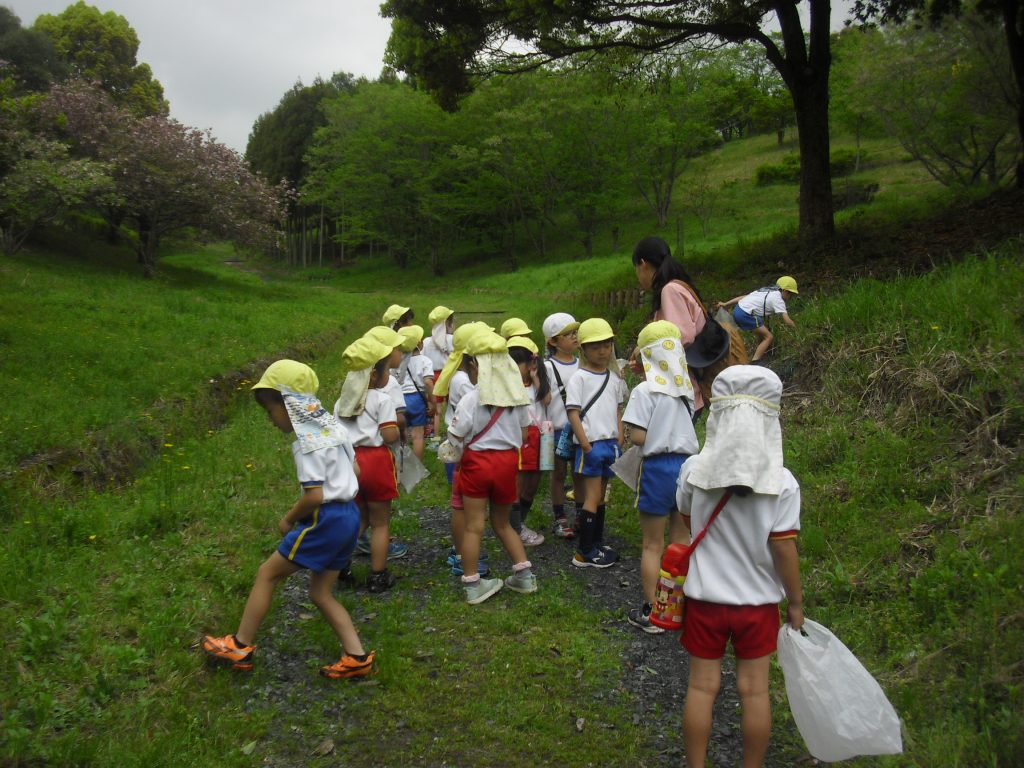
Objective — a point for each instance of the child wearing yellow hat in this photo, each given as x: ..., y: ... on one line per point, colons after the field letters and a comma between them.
x: 437, y: 346
x: 752, y: 311
x: 418, y: 387
x: 396, y: 316
x: 523, y: 352
x: 593, y: 400
x: 660, y: 417
x: 490, y: 424
x: 370, y: 418
x: 319, y: 530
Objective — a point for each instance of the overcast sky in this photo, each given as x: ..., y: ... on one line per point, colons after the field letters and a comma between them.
x: 222, y: 63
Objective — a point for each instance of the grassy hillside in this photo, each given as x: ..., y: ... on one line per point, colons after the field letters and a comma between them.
x: 902, y: 420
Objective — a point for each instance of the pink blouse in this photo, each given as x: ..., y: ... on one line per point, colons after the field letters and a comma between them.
x: 680, y: 308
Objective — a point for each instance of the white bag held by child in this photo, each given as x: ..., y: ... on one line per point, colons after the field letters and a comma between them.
x: 839, y: 708
x: 627, y: 467
x: 411, y: 469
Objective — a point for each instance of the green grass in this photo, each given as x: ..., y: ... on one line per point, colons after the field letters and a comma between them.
x: 900, y: 424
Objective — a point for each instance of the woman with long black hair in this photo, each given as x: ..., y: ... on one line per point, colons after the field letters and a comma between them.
x: 673, y: 296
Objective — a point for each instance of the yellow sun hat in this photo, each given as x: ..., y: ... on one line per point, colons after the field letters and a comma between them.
x: 594, y: 329
x: 787, y: 283
x: 485, y: 343
x: 392, y: 313
x: 385, y: 336
x: 523, y: 341
x: 514, y: 326
x: 364, y: 353
x: 439, y: 314
x: 290, y: 374
x: 460, y: 338
x: 656, y: 331
x: 411, y: 335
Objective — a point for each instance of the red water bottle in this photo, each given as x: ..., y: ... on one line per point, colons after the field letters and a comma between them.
x: 668, y: 596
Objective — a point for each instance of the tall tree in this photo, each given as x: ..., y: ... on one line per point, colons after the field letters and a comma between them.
x: 27, y: 53
x: 942, y: 93
x: 445, y: 43
x: 1009, y: 13
x: 102, y: 48
x: 281, y: 138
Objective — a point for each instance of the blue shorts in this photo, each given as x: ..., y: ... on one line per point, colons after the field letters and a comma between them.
x: 597, y: 463
x: 656, y: 486
x: 323, y: 541
x: 415, y: 410
x: 745, y: 320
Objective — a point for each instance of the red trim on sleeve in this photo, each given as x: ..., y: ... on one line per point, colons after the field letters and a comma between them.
x: 782, y: 535
x: 387, y: 424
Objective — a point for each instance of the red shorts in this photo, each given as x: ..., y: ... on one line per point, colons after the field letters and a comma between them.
x: 529, y: 453
x: 456, y: 499
x: 707, y: 627
x: 490, y: 475
x: 439, y: 398
x: 378, y: 475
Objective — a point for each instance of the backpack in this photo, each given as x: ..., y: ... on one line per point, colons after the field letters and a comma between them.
x: 715, y: 348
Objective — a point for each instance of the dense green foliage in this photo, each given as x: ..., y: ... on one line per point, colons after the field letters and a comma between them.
x: 101, y: 47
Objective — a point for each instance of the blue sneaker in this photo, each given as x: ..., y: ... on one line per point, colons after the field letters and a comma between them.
x: 363, y: 544
x: 596, y: 558
x: 454, y: 558
x: 481, y: 566
x: 397, y: 549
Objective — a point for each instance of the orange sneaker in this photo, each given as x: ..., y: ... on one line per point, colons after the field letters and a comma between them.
x: 226, y: 650
x: 347, y: 668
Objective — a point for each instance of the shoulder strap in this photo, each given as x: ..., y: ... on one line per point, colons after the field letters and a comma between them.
x: 595, y: 398
x: 721, y: 503
x: 495, y: 415
x: 561, y: 386
x: 696, y: 298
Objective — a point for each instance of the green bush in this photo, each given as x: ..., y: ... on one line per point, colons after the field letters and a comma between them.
x: 841, y: 162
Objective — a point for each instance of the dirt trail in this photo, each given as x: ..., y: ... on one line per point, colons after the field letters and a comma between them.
x: 654, y: 667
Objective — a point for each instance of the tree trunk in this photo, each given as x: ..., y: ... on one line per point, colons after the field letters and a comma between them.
x: 1015, y: 43
x: 805, y: 69
x: 147, y: 247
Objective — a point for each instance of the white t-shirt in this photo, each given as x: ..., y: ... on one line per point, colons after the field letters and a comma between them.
x: 457, y: 388
x: 556, y: 408
x: 602, y: 420
x: 330, y: 468
x: 393, y: 389
x: 437, y: 357
x: 379, y: 411
x: 419, y: 367
x: 733, y: 564
x: 471, y: 417
x: 763, y: 302
x: 668, y: 423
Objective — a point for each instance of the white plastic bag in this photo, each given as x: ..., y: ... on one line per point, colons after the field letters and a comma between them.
x: 839, y: 708
x: 627, y: 467
x: 411, y: 469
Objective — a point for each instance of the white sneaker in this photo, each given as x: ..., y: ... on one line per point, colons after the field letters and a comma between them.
x: 481, y: 589
x: 519, y: 582
x: 530, y: 537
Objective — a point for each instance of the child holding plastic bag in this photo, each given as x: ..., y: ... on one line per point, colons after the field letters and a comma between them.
x: 747, y: 562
